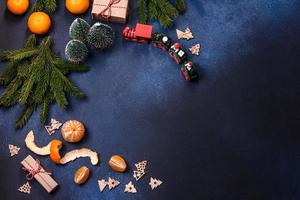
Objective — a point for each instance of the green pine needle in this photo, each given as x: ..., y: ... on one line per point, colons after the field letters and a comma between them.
x: 153, y: 11
x: 50, y: 5
x: 142, y: 11
x: 24, y: 116
x: 30, y: 42
x: 180, y: 5
x: 45, y: 108
x: 8, y: 74
x: 45, y: 5
x: 26, y: 89
x: 165, y: 21
x: 160, y: 10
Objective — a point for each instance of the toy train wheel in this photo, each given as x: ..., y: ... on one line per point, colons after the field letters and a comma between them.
x: 174, y: 58
x: 185, y: 74
x: 159, y: 46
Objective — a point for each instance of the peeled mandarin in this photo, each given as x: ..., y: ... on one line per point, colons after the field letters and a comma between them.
x: 73, y: 131
x: 81, y: 175
x: 117, y: 163
x: 39, y: 23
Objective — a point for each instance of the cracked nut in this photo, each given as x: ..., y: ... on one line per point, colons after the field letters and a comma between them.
x: 117, y: 163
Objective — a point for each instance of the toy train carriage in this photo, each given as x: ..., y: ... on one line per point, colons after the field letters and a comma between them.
x: 161, y: 41
x: 189, y: 71
x: 177, y: 53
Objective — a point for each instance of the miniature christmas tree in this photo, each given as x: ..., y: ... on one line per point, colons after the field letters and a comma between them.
x: 79, y: 29
x: 76, y: 51
x: 100, y: 36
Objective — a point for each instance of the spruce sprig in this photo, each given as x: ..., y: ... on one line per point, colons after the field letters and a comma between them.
x: 45, y: 5
x: 36, y: 77
x: 180, y: 5
x: 142, y: 11
x: 160, y: 10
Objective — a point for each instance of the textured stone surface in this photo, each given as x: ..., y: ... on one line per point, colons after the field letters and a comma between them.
x: 232, y: 135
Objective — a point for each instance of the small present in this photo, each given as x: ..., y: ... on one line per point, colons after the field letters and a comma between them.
x: 110, y: 10
x: 35, y: 170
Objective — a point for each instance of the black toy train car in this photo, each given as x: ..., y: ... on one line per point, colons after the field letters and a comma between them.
x: 161, y: 41
x: 189, y: 71
x: 177, y: 53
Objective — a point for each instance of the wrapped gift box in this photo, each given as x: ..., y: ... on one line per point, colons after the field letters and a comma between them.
x: 110, y: 10
x: 43, y: 178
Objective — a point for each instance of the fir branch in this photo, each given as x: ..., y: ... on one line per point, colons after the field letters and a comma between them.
x: 23, y: 69
x: 167, y: 8
x: 180, y: 5
x: 9, y: 73
x: 70, y: 67
x: 57, y: 89
x: 67, y: 67
x: 68, y: 85
x: 41, y: 87
x: 160, y: 10
x: 44, y: 5
x: 26, y: 53
x: 153, y: 11
x: 45, y: 108
x: 38, y: 6
x: 50, y: 5
x: 167, y: 12
x: 37, y: 79
x: 165, y: 21
x: 26, y: 89
x: 8, y: 98
x: 18, y: 54
x: 142, y: 11
x: 30, y: 42
x: 24, y: 116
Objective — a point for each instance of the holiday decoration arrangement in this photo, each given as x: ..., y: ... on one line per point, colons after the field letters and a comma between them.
x: 36, y: 77
x: 74, y: 131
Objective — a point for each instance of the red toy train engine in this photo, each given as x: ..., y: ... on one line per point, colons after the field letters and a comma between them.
x: 141, y: 33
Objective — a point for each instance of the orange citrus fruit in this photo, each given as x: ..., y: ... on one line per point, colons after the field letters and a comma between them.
x: 55, y: 146
x: 17, y: 7
x: 39, y: 23
x: 77, y: 6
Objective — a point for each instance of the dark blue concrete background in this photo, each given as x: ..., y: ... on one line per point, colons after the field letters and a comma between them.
x: 233, y: 135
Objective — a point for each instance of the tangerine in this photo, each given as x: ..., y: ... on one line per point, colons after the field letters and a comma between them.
x: 17, y: 7
x: 39, y: 23
x: 77, y: 6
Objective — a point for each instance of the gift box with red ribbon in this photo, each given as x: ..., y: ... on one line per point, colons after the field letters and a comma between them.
x: 110, y: 10
x: 35, y: 170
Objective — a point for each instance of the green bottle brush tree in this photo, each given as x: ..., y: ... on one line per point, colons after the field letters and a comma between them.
x: 35, y: 77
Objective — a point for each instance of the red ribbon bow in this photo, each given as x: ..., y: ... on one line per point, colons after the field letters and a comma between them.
x: 33, y: 172
x: 108, y: 7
